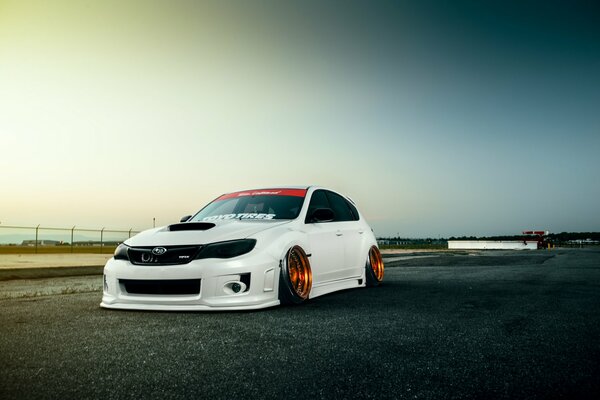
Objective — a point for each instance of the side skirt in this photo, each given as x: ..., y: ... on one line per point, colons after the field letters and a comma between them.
x: 334, y: 286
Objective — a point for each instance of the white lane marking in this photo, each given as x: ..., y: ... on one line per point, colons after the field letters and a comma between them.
x: 392, y: 259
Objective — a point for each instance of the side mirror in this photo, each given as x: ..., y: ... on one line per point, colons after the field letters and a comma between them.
x: 322, y: 215
x: 185, y: 219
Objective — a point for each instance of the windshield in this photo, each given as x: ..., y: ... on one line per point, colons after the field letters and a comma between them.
x: 264, y: 204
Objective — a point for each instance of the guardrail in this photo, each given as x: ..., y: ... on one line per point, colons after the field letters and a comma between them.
x: 38, y: 236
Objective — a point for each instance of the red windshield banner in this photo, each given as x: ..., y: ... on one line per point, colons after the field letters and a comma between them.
x: 266, y: 192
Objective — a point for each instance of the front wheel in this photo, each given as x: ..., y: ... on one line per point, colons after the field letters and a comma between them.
x: 374, y: 267
x: 295, y: 281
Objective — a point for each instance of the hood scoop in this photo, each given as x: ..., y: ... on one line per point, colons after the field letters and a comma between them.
x: 191, y: 226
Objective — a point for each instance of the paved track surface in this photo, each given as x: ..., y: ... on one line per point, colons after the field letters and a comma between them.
x: 490, y: 325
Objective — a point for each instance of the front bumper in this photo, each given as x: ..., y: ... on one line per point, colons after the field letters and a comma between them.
x: 216, y: 277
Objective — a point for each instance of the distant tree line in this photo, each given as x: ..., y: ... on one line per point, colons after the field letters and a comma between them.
x: 556, y: 238
x: 567, y: 236
x: 424, y: 241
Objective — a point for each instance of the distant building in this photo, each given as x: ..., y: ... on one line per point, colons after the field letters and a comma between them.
x: 44, y: 242
x: 582, y: 241
x: 387, y: 242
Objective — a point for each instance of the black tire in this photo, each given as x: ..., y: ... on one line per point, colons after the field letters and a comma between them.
x: 374, y: 268
x: 295, y: 279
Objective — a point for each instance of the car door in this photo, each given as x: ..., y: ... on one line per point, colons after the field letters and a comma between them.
x: 346, y: 218
x: 326, y: 242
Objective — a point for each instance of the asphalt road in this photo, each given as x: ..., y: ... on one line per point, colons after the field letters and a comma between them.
x: 499, y: 325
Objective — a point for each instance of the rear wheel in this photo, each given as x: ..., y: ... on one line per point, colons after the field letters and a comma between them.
x: 295, y: 281
x: 374, y: 267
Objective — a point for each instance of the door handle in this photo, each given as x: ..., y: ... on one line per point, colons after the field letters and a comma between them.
x: 339, y: 233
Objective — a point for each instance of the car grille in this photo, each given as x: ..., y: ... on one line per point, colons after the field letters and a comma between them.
x: 161, y: 287
x: 171, y: 255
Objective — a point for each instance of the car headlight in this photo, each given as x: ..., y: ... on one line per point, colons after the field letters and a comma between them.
x: 229, y: 249
x: 121, y: 252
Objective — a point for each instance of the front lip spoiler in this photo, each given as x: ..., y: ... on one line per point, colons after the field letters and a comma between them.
x: 190, y: 307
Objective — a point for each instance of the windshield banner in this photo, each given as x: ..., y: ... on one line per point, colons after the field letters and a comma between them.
x: 239, y: 216
x: 265, y: 192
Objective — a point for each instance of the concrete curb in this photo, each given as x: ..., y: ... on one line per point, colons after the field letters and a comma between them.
x: 7, y: 274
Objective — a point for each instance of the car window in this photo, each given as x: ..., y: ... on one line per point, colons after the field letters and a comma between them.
x: 353, y: 209
x: 259, y: 204
x: 222, y: 207
x: 252, y: 207
x: 318, y: 200
x: 341, y: 208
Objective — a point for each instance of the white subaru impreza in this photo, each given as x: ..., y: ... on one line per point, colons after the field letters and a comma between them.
x: 247, y: 250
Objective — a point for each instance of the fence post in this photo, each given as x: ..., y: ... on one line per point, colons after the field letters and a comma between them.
x: 102, y: 239
x: 37, y: 228
x: 72, y: 229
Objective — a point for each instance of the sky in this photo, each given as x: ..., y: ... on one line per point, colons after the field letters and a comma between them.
x: 437, y: 118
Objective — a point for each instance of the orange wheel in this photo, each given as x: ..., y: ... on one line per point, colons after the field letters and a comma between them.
x: 296, y: 277
x: 374, y: 267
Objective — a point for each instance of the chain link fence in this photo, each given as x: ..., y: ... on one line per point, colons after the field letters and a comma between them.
x: 42, y: 239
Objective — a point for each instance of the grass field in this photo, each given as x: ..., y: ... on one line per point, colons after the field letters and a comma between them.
x: 56, y: 249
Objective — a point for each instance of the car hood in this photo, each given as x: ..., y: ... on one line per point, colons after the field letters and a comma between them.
x: 191, y: 233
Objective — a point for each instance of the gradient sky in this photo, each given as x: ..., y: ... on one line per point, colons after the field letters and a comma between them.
x: 437, y: 118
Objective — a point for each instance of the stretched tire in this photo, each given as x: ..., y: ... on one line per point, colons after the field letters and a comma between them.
x: 374, y: 268
x: 295, y: 280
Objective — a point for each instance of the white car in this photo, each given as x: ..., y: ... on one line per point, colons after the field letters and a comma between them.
x: 247, y: 250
